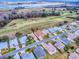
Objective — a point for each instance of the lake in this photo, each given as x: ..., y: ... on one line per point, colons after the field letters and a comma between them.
x: 24, y: 5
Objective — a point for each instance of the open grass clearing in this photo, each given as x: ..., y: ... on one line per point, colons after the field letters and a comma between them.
x: 25, y: 25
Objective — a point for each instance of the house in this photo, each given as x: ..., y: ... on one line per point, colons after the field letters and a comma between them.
x: 77, y: 22
x: 65, y: 41
x: 74, y: 23
x: 39, y: 34
x: 1, y: 17
x: 56, y: 28
x: 34, y: 37
x: 3, y: 45
x: 77, y: 50
x: 55, y: 39
x: 13, y: 43
x: 77, y: 33
x: 4, y: 16
x: 39, y: 52
x: 23, y: 39
x: 60, y: 28
x: 50, y: 48
x: 52, y: 30
x: 64, y: 26
x: 16, y: 56
x: 27, y: 56
x: 68, y: 27
x: 73, y: 55
x: 59, y: 45
x: 45, y: 32
x: 71, y: 37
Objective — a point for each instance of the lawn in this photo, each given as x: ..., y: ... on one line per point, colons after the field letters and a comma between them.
x: 24, y: 26
x: 7, y: 51
x: 57, y: 56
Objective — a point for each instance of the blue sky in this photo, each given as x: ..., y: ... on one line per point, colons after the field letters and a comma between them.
x: 38, y: 0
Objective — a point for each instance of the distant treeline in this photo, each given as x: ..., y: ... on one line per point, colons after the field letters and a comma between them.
x: 4, y: 19
x: 13, y: 14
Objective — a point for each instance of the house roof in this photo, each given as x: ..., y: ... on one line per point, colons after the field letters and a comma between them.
x: 45, y: 31
x: 50, y: 48
x: 13, y: 42
x: 73, y: 23
x: 39, y: 52
x: 16, y: 56
x: 39, y: 33
x: 59, y: 45
x: 23, y: 39
x: 65, y: 41
x: 3, y: 45
x: 73, y: 55
x: 71, y: 36
x: 27, y: 56
x: 52, y: 30
x: 34, y: 37
x: 77, y: 32
x: 77, y: 50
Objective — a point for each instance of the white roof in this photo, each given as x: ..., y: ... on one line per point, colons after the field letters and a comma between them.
x: 34, y: 37
x: 71, y: 36
x: 59, y: 45
x: 73, y: 55
x: 77, y: 32
x: 73, y: 23
x: 77, y: 50
x: 16, y: 56
x: 50, y: 48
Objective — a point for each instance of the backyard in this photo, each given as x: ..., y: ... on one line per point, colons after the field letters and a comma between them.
x: 56, y: 56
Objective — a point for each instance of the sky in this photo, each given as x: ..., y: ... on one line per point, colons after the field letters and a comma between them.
x: 38, y: 0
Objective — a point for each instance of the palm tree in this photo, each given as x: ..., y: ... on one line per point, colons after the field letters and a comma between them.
x: 28, y: 41
x: 18, y: 35
x: 77, y: 41
x: 7, y: 39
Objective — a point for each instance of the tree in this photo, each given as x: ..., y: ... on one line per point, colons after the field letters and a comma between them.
x: 77, y: 18
x: 71, y: 12
x: 29, y: 40
x: 6, y: 39
x: 77, y: 41
x: 65, y: 22
x: 18, y: 35
x: 66, y: 48
x: 44, y: 14
x: 53, y: 12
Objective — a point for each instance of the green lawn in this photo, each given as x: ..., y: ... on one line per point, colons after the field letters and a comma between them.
x: 7, y: 51
x: 56, y: 56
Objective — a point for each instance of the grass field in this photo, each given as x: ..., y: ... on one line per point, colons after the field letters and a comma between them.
x: 21, y: 25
